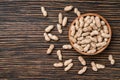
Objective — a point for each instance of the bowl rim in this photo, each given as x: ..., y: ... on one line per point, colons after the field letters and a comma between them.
x: 103, y: 19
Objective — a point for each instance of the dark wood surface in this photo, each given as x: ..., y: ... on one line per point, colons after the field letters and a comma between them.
x: 23, y: 48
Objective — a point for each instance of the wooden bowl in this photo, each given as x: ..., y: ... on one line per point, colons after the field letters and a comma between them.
x: 109, y: 29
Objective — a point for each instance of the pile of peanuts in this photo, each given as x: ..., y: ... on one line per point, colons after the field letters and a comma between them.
x: 88, y: 34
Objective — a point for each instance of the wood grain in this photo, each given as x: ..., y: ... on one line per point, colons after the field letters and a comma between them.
x: 23, y: 48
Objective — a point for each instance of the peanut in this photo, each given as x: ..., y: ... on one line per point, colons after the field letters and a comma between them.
x: 92, y: 51
x: 81, y: 22
x: 80, y: 38
x: 87, y: 29
x: 97, y: 21
x: 102, y: 23
x: 78, y: 34
x: 85, y: 34
x: 105, y: 39
x: 64, y: 21
x: 94, y: 68
x: 53, y: 37
x: 93, y: 19
x: 50, y: 49
x: 83, y: 45
x: 59, y: 64
x: 94, y: 39
x: 94, y: 32
x: 86, y: 18
x: 93, y: 26
x: 110, y: 58
x: 77, y: 24
x: 83, y: 70
x: 67, y: 47
x: 72, y: 30
x: 100, y: 66
x: 112, y: 62
x: 105, y: 29
x: 59, y: 28
x: 99, y: 38
x: 46, y: 37
x: 68, y: 8
x: 87, y: 22
x: 77, y: 12
x: 85, y: 41
x: 59, y: 54
x: 78, y: 47
x: 67, y: 62
x: 86, y: 48
x: 105, y: 35
x: 101, y: 44
x: 60, y: 18
x: 68, y: 67
x: 82, y: 61
x: 44, y: 12
x: 49, y: 28
x: 93, y: 45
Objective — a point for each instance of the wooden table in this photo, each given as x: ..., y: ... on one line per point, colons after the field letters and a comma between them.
x: 23, y: 48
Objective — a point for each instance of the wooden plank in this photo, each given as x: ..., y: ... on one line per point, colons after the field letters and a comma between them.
x: 23, y: 48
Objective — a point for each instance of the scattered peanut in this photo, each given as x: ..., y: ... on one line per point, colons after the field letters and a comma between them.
x: 77, y: 12
x: 46, y: 37
x: 64, y: 21
x: 50, y: 49
x: 59, y: 28
x: 59, y: 64
x: 67, y: 46
x: 53, y: 37
x: 83, y: 70
x: 68, y: 8
x: 44, y: 12
x: 100, y: 66
x: 110, y: 58
x: 68, y: 67
x: 94, y: 68
x: 67, y: 62
x: 60, y: 18
x: 49, y: 28
x: 81, y: 59
x: 59, y: 54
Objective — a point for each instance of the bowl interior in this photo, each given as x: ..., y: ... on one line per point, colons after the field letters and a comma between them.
x: 109, y: 29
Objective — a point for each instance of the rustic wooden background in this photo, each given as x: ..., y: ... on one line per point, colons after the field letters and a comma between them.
x: 23, y: 48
